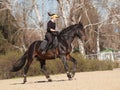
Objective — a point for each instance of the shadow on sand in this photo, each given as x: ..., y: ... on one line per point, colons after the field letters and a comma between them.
x: 50, y: 81
x: 41, y: 82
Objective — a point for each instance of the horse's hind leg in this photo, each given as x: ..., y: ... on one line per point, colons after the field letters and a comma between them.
x: 70, y: 58
x: 26, y: 69
x: 43, y: 69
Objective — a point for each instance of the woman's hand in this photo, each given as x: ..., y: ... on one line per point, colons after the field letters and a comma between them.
x: 52, y: 30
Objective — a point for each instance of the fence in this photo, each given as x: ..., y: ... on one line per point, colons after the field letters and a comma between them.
x: 114, y: 56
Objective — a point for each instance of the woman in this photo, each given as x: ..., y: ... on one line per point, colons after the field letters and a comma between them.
x: 51, y: 32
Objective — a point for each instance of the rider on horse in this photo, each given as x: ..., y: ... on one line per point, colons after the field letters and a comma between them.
x: 51, y: 32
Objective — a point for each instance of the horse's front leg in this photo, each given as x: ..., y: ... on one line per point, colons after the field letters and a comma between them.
x: 73, y: 60
x: 63, y: 58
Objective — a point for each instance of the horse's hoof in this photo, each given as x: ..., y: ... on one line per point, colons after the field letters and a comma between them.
x: 24, y: 82
x: 70, y: 78
x: 69, y: 75
x: 72, y: 75
x: 49, y: 80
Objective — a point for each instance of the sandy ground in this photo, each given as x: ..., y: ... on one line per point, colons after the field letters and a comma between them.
x: 98, y: 80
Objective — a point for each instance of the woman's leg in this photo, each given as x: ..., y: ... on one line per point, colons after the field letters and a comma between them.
x: 48, y: 37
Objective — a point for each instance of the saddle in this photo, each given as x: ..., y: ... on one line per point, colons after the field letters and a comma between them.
x: 53, y: 45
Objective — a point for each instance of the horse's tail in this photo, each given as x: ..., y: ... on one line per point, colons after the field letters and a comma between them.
x: 19, y: 63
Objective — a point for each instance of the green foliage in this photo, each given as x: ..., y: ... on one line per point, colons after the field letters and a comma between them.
x: 92, y: 65
x: 116, y: 64
x: 53, y: 66
x: 6, y: 62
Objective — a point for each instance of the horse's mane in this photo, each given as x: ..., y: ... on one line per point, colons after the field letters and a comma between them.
x: 79, y: 25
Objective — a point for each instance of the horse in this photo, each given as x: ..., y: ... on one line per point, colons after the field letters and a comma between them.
x: 62, y: 51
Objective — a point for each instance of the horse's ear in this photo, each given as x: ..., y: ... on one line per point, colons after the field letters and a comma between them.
x: 81, y: 25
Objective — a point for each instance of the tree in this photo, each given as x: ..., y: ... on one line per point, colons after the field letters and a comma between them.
x: 109, y: 37
x: 84, y: 11
x: 17, y: 21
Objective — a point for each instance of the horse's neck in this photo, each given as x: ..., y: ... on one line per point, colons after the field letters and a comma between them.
x: 68, y: 38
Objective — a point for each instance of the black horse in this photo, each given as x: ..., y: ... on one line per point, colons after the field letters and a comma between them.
x: 62, y: 51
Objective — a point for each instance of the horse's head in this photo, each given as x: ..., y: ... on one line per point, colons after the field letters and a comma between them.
x: 74, y: 30
x: 80, y: 32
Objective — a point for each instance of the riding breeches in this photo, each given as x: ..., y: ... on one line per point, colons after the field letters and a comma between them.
x: 49, y: 37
